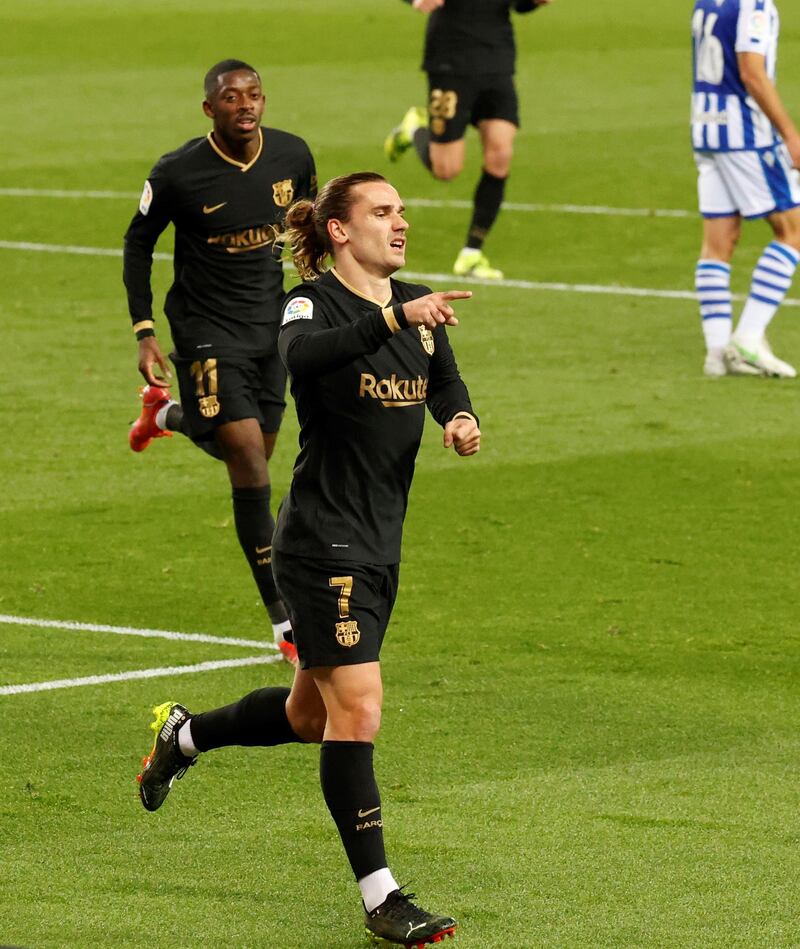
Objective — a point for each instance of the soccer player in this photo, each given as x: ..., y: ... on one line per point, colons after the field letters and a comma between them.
x: 747, y: 151
x: 469, y: 58
x: 226, y: 194
x: 367, y: 354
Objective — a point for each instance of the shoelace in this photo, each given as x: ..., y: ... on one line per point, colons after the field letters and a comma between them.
x: 185, y: 768
x: 402, y: 902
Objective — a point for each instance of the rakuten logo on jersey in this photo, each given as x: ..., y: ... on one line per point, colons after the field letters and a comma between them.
x: 393, y: 392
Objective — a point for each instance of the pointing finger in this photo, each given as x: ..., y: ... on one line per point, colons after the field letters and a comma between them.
x: 456, y: 294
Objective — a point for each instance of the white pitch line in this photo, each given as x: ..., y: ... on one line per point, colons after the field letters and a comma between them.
x: 67, y: 193
x: 525, y: 208
x: 591, y: 288
x: 72, y: 249
x: 598, y: 209
x: 138, y: 674
x: 6, y: 619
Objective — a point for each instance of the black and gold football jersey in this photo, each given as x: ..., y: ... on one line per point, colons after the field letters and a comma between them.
x: 361, y: 381
x: 472, y: 37
x: 228, y: 280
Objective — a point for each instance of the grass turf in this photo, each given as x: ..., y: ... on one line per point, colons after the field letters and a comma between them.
x: 589, y: 733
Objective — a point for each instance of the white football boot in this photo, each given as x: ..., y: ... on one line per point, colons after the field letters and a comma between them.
x: 756, y: 359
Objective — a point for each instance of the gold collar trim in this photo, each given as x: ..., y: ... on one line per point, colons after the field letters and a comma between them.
x: 358, y: 293
x: 240, y: 165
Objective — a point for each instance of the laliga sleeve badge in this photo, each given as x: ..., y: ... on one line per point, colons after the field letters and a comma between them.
x: 759, y: 23
x: 146, y: 199
x: 300, y: 308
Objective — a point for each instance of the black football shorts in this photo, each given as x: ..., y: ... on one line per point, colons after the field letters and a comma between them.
x: 339, y: 609
x: 215, y: 391
x: 454, y: 102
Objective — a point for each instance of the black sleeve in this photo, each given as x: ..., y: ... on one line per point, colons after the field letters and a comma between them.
x: 309, y: 346
x: 146, y: 227
x: 447, y: 394
x: 307, y: 182
x: 526, y: 6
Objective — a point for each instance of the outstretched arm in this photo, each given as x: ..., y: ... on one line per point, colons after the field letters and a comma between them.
x: 309, y: 346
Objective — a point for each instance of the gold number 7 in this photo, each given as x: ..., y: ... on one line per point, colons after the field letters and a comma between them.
x: 346, y: 588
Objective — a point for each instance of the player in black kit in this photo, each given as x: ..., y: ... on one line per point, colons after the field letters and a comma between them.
x: 470, y: 58
x: 367, y: 355
x: 227, y: 194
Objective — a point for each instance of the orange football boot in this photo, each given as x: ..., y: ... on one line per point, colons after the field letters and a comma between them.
x: 144, y: 429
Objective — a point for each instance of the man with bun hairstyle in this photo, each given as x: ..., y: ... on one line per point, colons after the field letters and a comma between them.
x: 367, y: 355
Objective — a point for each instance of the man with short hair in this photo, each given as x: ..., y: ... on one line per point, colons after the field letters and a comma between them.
x: 470, y: 57
x: 747, y: 151
x: 226, y: 194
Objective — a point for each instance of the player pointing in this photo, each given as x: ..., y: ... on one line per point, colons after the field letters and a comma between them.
x: 368, y: 356
x: 747, y: 151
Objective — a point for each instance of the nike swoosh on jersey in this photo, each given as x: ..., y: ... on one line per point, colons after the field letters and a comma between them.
x: 208, y: 210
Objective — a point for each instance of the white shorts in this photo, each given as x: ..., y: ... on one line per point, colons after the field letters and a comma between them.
x: 750, y: 183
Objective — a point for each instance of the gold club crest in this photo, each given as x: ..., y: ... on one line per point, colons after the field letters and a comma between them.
x: 426, y: 337
x: 209, y: 406
x: 283, y: 192
x: 348, y: 633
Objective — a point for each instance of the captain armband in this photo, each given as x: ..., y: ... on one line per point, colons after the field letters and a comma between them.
x: 143, y: 329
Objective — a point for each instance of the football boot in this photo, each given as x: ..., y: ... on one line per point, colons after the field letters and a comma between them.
x: 397, y: 920
x: 166, y: 761
x: 144, y: 429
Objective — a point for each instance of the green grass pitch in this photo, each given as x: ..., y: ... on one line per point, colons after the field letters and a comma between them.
x: 590, y: 735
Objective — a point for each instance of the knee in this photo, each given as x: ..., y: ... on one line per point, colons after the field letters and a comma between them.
x: 247, y: 467
x: 309, y: 728
x: 446, y: 169
x: 497, y: 161
x: 363, y: 720
x: 721, y: 247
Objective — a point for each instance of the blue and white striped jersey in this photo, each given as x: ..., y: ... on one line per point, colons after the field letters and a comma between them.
x: 724, y: 117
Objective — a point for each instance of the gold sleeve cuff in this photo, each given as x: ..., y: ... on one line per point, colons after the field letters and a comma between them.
x: 143, y: 325
x: 464, y: 415
x: 391, y: 321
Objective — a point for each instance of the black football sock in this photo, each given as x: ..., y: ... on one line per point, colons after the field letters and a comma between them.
x: 176, y: 422
x: 352, y: 796
x: 486, y: 203
x: 174, y: 418
x: 259, y: 719
x: 254, y: 527
x: 422, y: 141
